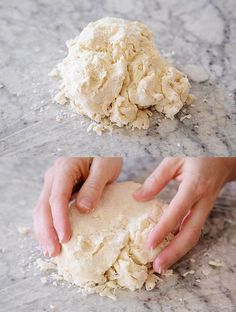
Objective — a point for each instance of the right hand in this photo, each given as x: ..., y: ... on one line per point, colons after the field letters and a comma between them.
x: 200, y: 179
x: 51, y: 219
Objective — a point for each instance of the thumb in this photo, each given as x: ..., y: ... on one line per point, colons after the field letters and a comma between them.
x: 91, y: 190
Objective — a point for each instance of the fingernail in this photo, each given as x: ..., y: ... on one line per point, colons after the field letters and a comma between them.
x: 85, y: 203
x: 163, y: 271
x: 50, y: 250
x: 158, y: 268
x: 60, y: 237
x: 45, y: 251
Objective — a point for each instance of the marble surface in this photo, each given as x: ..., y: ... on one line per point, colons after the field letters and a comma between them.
x: 32, y: 40
x: 209, y: 289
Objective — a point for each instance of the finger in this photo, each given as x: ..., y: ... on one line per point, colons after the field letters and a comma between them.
x: 185, y: 240
x: 43, y: 225
x: 174, y: 214
x: 62, y: 187
x: 158, y: 179
x: 101, y: 172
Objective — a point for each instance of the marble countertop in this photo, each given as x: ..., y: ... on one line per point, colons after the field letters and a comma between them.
x: 21, y: 289
x: 33, y: 35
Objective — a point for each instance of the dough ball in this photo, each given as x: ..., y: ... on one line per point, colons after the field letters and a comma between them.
x: 107, y: 248
x: 113, y: 73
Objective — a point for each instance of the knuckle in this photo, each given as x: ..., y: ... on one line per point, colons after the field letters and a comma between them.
x: 60, y: 161
x: 169, y: 159
x: 178, y: 214
x: 66, y: 164
x: 203, y: 188
x: 153, y: 178
x: 93, y: 185
x: 53, y: 200
x: 195, y: 235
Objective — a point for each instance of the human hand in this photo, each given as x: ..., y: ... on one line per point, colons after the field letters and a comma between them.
x: 200, y: 182
x: 51, y: 220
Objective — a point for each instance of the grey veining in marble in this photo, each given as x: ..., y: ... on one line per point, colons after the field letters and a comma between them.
x: 32, y: 41
x: 209, y: 289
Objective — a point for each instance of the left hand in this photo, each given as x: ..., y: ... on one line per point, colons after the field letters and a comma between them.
x: 51, y: 214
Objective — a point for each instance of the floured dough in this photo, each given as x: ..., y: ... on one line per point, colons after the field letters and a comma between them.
x: 114, y: 75
x: 107, y: 249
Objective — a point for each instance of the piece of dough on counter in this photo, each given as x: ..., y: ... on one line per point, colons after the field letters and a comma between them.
x: 107, y: 248
x: 114, y: 75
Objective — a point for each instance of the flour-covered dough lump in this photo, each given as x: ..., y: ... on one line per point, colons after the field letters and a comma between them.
x: 107, y: 248
x: 114, y: 75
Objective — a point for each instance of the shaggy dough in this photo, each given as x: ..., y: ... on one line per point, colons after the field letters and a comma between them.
x: 113, y: 74
x: 107, y: 249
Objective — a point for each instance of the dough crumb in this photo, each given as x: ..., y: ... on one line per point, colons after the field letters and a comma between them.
x: 107, y: 251
x: 59, y: 118
x: 24, y: 230
x: 56, y: 277
x: 216, y: 263
x: 99, y: 128
x: 185, y: 117
x: 188, y: 272
x: 114, y: 75
x: 45, y: 266
x: 168, y: 273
